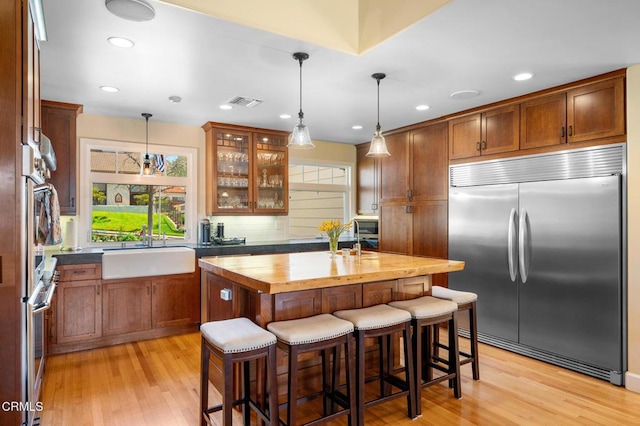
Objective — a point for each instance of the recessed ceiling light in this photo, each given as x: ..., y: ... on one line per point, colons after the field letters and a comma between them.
x: 225, y: 106
x: 285, y: 116
x: 464, y: 94
x: 422, y: 107
x: 175, y: 99
x: 522, y: 76
x: 356, y: 127
x: 109, y: 89
x: 121, y: 42
x: 132, y: 10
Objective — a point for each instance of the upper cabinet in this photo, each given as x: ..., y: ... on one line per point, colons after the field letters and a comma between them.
x: 246, y: 170
x: 490, y: 132
x: 59, y: 124
x: 417, y: 167
x: 592, y: 111
x: 596, y: 111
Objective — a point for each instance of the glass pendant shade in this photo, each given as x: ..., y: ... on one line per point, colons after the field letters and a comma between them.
x: 300, y: 138
x: 146, y: 166
x: 378, y: 147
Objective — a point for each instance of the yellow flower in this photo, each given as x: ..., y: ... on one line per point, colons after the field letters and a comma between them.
x: 334, y: 228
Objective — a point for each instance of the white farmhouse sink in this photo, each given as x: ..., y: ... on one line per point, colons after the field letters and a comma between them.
x: 144, y: 262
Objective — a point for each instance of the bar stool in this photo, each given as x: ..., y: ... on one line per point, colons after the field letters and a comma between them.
x: 466, y: 302
x: 381, y: 321
x: 232, y: 341
x: 427, y: 311
x: 317, y: 333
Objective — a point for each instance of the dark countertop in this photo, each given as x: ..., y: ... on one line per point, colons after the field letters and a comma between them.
x: 94, y: 255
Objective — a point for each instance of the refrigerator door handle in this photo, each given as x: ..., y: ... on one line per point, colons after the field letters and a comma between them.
x: 511, y: 245
x: 523, y: 237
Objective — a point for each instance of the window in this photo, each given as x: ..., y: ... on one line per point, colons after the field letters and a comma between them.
x: 317, y: 193
x: 125, y: 206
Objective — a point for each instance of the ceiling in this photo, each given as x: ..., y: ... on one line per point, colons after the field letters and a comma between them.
x: 464, y: 45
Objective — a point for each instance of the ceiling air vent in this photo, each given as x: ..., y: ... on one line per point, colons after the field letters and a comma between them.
x: 244, y: 101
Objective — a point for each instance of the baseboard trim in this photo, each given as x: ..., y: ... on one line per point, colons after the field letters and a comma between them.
x: 632, y: 381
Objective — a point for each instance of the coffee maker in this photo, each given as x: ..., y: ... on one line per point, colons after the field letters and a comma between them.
x: 204, y: 237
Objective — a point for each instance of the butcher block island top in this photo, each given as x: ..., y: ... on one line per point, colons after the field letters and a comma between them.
x: 282, y: 273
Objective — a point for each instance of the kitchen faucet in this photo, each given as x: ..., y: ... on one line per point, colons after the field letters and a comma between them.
x: 357, y: 246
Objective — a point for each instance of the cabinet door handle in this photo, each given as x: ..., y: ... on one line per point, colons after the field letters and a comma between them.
x: 409, y: 193
x: 73, y: 201
x: 484, y: 145
x: 570, y: 130
x: 409, y: 209
x: 562, y: 131
x: 477, y: 146
x: 98, y: 290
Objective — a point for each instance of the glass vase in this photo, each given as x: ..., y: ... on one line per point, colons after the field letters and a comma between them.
x: 333, y: 245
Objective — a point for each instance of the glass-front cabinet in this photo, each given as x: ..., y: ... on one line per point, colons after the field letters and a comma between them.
x: 246, y: 170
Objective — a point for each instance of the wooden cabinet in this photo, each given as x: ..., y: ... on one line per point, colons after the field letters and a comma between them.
x: 126, y: 306
x: 588, y: 112
x: 90, y: 312
x: 59, y: 125
x: 246, y: 170
x: 366, y: 181
x: 78, y: 306
x: 417, y: 167
x: 175, y: 301
x: 596, y: 111
x: 219, y: 307
x: 413, y: 208
x: 490, y: 132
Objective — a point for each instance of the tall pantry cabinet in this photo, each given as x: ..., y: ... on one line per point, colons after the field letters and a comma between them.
x: 413, y: 193
x: 19, y: 109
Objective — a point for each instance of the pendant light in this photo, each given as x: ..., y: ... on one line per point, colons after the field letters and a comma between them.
x: 378, y: 147
x: 300, y: 138
x: 146, y: 165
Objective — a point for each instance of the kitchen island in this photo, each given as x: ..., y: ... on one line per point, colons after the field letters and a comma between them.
x: 288, y: 286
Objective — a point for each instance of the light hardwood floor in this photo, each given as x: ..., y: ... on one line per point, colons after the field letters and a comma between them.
x: 156, y: 382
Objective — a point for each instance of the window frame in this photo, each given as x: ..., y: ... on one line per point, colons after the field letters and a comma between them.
x: 87, y: 178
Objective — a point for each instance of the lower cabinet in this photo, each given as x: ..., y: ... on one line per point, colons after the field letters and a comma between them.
x: 89, y: 312
x: 126, y: 306
x: 78, y: 311
x: 174, y: 301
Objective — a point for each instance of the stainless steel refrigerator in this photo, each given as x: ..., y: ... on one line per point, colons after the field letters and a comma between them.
x: 542, y: 238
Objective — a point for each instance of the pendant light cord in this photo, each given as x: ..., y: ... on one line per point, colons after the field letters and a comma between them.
x: 300, y: 114
x: 378, y: 125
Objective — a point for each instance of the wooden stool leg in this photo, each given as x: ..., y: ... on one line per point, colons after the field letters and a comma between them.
x: 428, y: 354
x: 227, y: 393
x: 246, y: 393
x: 292, y: 387
x: 360, y: 372
x: 417, y: 356
x: 204, y: 383
x: 454, y: 355
x: 349, y: 357
x: 473, y: 331
x: 272, y: 377
x: 409, y: 371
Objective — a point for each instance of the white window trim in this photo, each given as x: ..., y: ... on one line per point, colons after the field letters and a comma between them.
x: 85, y: 187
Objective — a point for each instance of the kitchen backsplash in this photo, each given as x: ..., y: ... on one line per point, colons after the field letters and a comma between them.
x: 253, y: 228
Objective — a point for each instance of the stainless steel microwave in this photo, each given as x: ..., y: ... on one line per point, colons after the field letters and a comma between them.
x: 366, y: 227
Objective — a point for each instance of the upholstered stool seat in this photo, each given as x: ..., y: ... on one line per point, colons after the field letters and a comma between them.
x: 427, y: 311
x: 381, y: 321
x: 466, y: 302
x: 317, y: 333
x: 232, y: 341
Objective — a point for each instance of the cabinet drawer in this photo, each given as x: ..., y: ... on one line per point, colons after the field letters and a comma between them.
x: 90, y: 271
